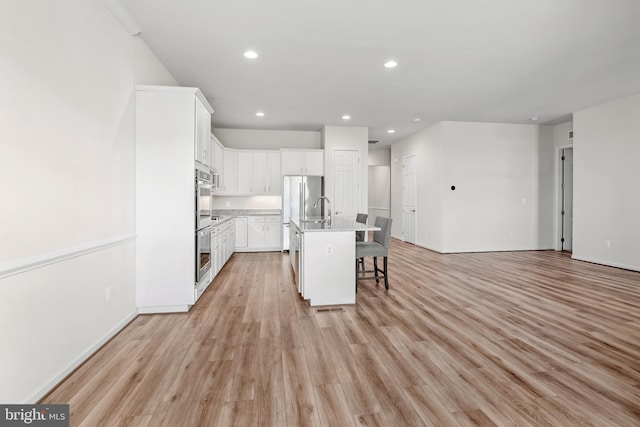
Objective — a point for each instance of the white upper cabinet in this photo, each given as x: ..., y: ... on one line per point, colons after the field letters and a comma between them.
x: 258, y: 173
x: 302, y: 162
x: 245, y: 172
x: 229, y: 178
x: 217, y: 151
x: 274, y: 175
x: 203, y: 134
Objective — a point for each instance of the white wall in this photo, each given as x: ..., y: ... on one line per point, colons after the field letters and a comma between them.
x: 426, y: 145
x: 561, y: 134
x: 252, y: 139
x: 67, y: 178
x: 503, y: 175
x: 606, y: 205
x: 247, y: 202
x: 381, y: 157
x: 346, y: 138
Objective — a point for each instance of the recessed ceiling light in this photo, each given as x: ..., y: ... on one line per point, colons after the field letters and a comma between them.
x: 346, y: 117
x: 417, y: 119
x: 535, y: 119
x: 250, y: 54
x: 391, y: 131
x: 260, y: 114
x: 390, y: 64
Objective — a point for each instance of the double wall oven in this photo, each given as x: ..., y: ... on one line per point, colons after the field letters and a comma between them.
x: 204, y: 187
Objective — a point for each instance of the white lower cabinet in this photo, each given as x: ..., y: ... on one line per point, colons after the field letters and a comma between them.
x: 256, y: 232
x: 272, y: 232
x: 241, y: 232
x: 262, y: 233
x: 222, y: 247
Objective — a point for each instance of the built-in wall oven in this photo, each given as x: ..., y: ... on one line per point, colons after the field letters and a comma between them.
x: 203, y: 194
x: 203, y: 253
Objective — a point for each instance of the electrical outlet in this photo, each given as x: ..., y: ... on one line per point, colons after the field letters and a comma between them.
x: 607, y: 244
x: 108, y: 294
x: 329, y: 249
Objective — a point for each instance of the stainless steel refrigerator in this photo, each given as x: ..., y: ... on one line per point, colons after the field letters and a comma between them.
x: 299, y: 194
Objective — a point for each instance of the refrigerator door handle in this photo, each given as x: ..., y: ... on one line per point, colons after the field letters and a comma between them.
x: 302, y: 204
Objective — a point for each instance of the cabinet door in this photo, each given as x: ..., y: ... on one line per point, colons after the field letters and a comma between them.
x: 215, y: 266
x: 292, y: 162
x: 232, y: 233
x: 218, y: 155
x: 241, y: 232
x: 245, y: 172
x: 272, y: 232
x: 260, y: 183
x: 203, y: 134
x: 256, y: 232
x: 314, y: 163
x: 274, y: 174
x: 230, y: 178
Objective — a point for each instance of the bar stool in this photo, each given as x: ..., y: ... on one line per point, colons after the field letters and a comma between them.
x: 379, y: 247
x: 362, y: 219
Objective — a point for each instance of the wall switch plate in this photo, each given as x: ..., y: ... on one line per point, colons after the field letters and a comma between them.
x: 227, y: 204
x: 108, y: 293
x: 607, y: 244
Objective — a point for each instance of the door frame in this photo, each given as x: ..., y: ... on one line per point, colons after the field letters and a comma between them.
x: 557, y: 215
x: 415, y: 197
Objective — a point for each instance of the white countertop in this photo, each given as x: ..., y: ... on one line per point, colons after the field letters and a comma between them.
x: 221, y: 219
x: 338, y: 223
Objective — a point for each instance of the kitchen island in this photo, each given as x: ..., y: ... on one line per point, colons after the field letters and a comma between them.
x: 323, y: 257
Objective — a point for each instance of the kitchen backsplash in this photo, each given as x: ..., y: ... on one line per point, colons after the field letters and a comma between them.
x: 247, y: 202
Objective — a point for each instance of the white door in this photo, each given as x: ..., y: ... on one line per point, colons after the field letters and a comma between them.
x: 409, y: 199
x: 566, y: 238
x: 346, y: 167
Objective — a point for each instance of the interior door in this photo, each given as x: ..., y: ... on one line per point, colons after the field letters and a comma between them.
x: 346, y: 167
x: 409, y: 179
x: 567, y: 200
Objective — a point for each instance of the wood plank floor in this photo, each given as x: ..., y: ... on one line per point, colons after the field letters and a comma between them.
x: 506, y: 339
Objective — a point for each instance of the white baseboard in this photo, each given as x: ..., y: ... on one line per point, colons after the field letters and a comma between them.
x: 46, y: 388
x: 164, y: 309
x: 606, y: 263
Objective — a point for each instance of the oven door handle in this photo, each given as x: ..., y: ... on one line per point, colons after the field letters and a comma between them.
x: 206, y: 230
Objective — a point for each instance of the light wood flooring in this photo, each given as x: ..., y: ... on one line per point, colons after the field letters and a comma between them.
x: 507, y: 339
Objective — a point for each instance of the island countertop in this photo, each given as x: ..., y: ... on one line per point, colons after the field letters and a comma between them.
x: 337, y: 223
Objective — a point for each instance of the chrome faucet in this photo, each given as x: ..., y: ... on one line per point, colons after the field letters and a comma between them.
x: 328, y: 210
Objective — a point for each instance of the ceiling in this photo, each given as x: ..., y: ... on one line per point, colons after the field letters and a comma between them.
x: 464, y: 60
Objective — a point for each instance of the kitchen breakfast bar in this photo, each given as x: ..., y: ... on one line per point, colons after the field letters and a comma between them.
x: 323, y: 258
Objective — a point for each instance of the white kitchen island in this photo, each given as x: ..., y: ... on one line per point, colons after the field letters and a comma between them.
x: 323, y: 257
